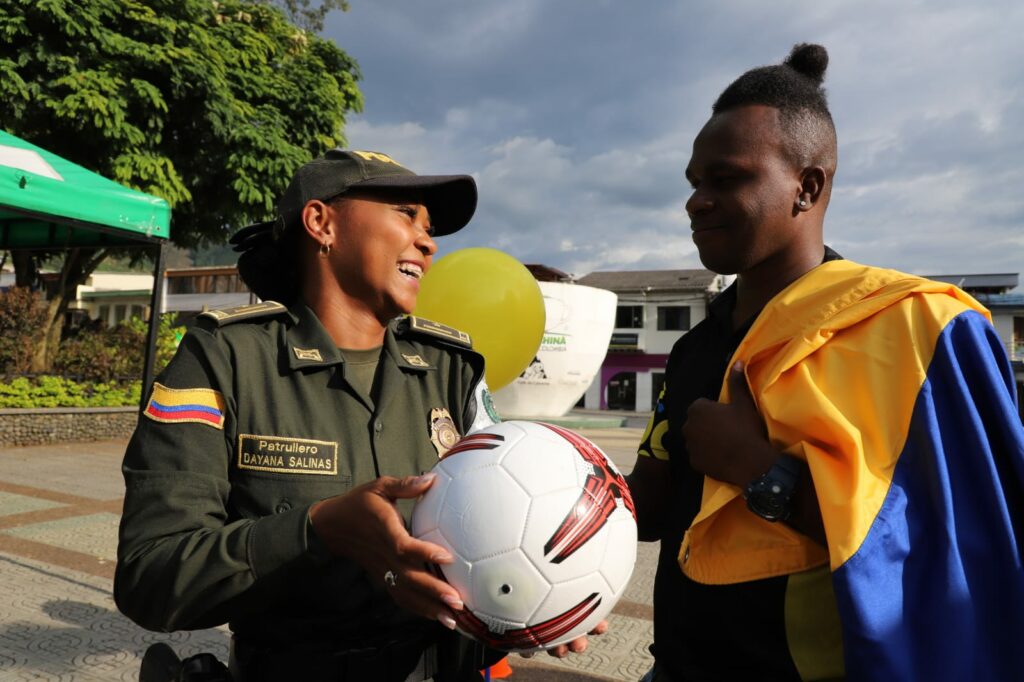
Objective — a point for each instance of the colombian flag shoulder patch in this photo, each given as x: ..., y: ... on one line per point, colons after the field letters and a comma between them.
x: 183, y: 405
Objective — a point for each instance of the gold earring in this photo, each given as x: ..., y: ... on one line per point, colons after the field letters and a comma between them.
x: 325, y: 250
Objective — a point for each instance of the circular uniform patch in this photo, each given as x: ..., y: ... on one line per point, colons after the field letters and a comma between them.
x: 492, y: 411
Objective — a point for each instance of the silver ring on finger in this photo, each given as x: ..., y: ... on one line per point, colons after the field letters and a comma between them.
x: 391, y: 579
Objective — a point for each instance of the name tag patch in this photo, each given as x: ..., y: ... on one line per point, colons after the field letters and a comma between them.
x: 287, y: 455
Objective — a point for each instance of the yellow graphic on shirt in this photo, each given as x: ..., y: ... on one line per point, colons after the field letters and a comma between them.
x: 657, y: 426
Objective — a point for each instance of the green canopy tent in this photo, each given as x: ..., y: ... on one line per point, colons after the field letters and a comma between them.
x: 48, y: 203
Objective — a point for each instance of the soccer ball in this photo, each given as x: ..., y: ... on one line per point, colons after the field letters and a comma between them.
x: 542, y: 528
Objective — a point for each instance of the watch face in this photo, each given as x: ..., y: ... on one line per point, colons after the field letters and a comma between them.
x: 769, y: 505
x: 769, y: 499
x: 769, y: 496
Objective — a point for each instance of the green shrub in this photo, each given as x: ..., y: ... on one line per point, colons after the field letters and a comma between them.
x: 96, y: 367
x: 22, y: 314
x: 52, y: 391
x: 117, y: 353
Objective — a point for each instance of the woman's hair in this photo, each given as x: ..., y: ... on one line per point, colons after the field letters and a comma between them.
x: 794, y: 87
x: 269, y: 260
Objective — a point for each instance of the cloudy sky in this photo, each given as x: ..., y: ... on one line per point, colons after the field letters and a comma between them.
x: 576, y: 117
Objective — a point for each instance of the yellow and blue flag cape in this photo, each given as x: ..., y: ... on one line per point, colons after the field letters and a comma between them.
x: 897, y: 392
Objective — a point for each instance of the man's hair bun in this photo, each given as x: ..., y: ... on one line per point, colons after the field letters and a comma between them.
x: 809, y: 60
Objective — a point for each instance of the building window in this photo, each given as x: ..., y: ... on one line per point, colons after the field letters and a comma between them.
x: 674, y: 318
x: 629, y: 317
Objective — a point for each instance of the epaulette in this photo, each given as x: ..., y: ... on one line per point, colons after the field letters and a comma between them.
x: 437, y: 330
x: 226, y: 316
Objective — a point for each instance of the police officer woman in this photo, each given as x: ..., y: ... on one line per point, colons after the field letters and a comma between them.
x: 268, y: 476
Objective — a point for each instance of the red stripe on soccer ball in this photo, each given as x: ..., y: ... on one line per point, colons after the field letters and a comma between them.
x: 478, y: 441
x: 535, y: 636
x: 595, y: 504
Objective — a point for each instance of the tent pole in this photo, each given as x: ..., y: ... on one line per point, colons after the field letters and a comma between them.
x: 154, y: 324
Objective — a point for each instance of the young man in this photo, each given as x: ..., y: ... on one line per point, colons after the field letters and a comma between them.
x: 835, y: 468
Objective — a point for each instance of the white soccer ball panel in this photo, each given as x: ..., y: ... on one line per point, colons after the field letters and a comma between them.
x: 483, y: 515
x: 507, y: 588
x: 481, y: 448
x: 461, y: 463
x: 435, y: 536
x: 457, y: 574
x: 567, y: 596
x: 620, y: 552
x: 543, y: 464
x: 428, y: 507
x: 547, y: 514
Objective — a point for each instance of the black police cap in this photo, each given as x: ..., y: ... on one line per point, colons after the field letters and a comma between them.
x: 450, y: 199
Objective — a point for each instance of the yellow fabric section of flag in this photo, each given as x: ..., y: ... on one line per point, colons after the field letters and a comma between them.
x: 813, y: 630
x: 814, y: 360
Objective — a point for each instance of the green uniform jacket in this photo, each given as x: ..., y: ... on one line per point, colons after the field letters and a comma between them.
x: 250, y: 424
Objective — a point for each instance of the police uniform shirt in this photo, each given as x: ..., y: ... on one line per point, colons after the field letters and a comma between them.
x: 250, y: 424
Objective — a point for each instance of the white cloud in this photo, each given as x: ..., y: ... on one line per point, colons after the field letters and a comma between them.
x: 577, y: 119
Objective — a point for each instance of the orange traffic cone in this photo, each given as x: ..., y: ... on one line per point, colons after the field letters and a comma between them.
x: 499, y: 671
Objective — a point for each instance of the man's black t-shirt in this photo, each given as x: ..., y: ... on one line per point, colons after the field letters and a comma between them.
x: 709, y: 632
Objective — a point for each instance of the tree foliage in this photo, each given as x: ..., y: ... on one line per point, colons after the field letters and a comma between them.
x: 211, y: 105
x: 22, y: 315
x: 116, y: 353
x: 308, y: 15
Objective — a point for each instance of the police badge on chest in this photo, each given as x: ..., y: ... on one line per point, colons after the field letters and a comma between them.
x: 443, y: 433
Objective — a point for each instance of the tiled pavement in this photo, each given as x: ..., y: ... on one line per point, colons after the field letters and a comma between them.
x: 59, y: 510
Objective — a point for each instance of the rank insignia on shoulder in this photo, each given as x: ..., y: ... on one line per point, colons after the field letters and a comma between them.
x: 308, y: 354
x: 243, y: 312
x: 186, y: 405
x: 415, y: 360
x: 443, y: 433
x: 439, y: 330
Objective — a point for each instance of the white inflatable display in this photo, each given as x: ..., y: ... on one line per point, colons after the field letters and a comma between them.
x: 577, y: 330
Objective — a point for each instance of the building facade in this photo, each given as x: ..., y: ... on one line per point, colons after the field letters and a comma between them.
x: 655, y: 308
x: 112, y: 297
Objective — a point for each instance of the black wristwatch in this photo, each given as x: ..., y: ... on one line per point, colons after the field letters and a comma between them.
x: 771, y: 496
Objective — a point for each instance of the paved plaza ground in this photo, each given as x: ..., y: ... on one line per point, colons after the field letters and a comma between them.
x: 59, y: 510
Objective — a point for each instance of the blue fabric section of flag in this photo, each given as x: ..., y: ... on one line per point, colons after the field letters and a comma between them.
x: 187, y: 408
x: 936, y: 591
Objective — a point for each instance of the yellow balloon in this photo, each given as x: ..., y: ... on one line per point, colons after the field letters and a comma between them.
x: 492, y: 297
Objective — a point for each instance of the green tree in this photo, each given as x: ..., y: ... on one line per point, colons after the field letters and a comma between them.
x: 307, y: 14
x: 211, y: 105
